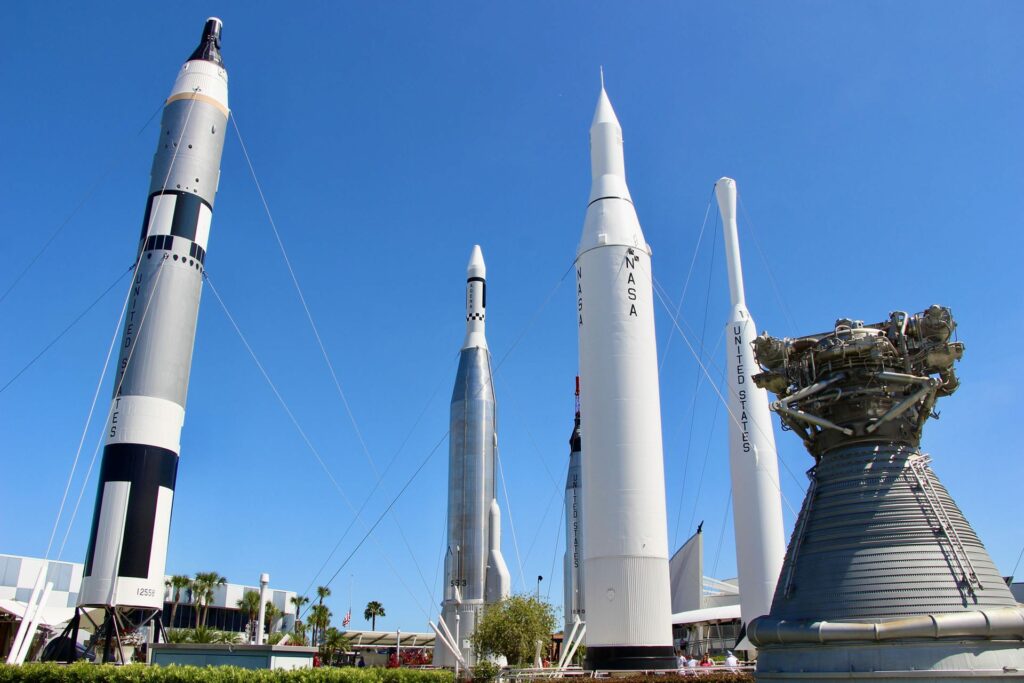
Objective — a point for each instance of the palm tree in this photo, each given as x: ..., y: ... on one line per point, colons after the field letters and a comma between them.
x: 176, y: 583
x: 250, y: 604
x: 373, y: 610
x: 322, y: 592
x: 299, y: 601
x: 271, y: 613
x: 202, y: 593
x: 334, y: 642
x: 320, y: 619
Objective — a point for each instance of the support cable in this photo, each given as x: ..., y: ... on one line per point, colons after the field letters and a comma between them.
x: 66, y: 329
x: 82, y: 202
x: 700, y: 362
x: 320, y: 343
x: 698, y: 379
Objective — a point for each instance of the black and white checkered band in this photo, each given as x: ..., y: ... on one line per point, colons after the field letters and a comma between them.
x: 475, y: 316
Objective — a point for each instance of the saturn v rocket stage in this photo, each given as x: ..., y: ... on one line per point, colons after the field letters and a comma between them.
x: 883, y: 577
x: 124, y: 565
x: 475, y: 574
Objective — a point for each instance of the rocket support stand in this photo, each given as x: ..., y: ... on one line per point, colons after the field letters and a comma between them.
x: 116, y: 621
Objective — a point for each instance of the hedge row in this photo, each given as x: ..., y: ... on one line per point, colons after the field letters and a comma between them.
x: 140, y: 673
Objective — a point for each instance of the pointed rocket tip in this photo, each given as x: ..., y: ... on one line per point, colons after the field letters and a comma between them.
x: 476, y: 267
x: 604, y: 113
x: 601, y: 68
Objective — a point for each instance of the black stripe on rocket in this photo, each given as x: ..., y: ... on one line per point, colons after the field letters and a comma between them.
x: 186, y: 213
x: 147, y: 469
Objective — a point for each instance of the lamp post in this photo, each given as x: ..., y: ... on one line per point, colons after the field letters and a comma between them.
x: 539, y: 579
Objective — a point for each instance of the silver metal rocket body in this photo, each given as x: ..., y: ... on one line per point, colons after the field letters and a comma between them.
x: 475, y: 574
x: 883, y: 576
x: 573, y: 559
x: 125, y: 562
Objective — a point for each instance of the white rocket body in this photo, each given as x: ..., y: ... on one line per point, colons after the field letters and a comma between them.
x: 475, y: 573
x: 625, y: 547
x: 127, y: 551
x: 753, y: 461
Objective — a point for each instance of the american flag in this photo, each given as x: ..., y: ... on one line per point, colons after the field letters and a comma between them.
x: 348, y: 618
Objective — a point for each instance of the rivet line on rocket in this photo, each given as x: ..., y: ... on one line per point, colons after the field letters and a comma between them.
x: 320, y: 343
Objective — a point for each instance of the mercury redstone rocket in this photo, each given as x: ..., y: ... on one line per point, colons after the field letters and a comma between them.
x: 124, y: 566
x: 475, y: 573
x: 753, y: 461
x: 573, y: 560
x: 625, y: 537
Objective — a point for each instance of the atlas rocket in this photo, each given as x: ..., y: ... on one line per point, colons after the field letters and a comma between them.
x: 124, y: 565
x: 625, y: 536
x: 753, y: 461
x: 475, y: 573
x: 573, y: 559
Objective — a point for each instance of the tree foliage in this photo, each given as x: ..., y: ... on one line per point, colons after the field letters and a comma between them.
x: 373, y: 610
x: 512, y: 627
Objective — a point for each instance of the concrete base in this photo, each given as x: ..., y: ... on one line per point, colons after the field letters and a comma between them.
x: 947, y: 660
x: 225, y: 654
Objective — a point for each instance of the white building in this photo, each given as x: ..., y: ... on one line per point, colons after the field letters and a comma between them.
x: 18, y: 576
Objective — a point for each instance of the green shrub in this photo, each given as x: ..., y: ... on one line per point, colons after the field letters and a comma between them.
x: 83, y: 672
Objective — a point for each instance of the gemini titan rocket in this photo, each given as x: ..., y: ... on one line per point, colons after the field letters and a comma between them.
x: 124, y: 566
x: 475, y: 573
x: 625, y: 538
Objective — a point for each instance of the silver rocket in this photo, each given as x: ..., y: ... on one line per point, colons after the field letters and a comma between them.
x: 124, y: 566
x: 573, y: 561
x: 625, y: 536
x: 475, y: 573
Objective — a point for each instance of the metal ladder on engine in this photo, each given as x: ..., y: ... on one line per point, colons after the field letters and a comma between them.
x: 918, y: 466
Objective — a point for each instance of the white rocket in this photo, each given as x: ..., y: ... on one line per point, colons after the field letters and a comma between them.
x: 625, y: 537
x: 475, y: 573
x: 124, y: 566
x: 756, y: 496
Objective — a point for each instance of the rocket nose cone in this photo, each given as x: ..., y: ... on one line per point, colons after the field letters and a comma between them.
x: 476, y: 267
x: 604, y: 113
x: 209, y: 43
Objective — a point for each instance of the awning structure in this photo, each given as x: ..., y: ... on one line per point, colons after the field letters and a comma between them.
x: 52, y: 617
x: 708, y: 614
x: 364, y: 640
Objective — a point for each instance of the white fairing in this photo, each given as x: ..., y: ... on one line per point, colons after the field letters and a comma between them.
x: 625, y: 536
x: 757, y: 501
x: 206, y: 79
x: 499, y: 581
x: 145, y: 419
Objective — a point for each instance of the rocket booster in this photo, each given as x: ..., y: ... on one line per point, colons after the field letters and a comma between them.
x: 573, y: 560
x: 124, y: 565
x: 625, y: 538
x: 753, y: 462
x: 475, y: 571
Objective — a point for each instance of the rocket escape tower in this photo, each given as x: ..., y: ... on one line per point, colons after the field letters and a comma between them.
x: 883, y: 576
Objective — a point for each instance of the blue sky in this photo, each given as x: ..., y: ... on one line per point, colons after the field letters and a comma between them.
x: 877, y: 147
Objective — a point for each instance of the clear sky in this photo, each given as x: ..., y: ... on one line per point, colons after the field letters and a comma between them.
x: 877, y: 147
